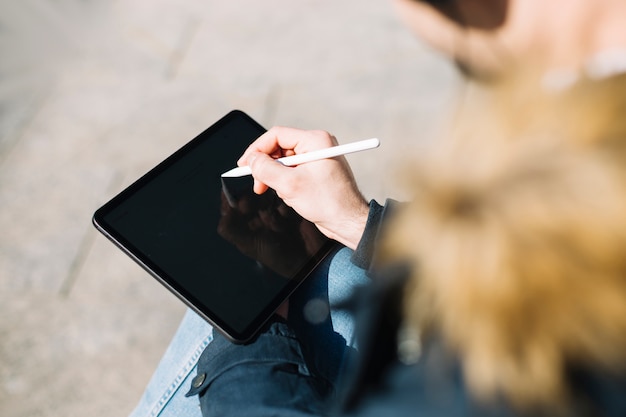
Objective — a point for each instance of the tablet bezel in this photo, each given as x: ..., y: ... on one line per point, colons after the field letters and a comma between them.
x: 170, y: 282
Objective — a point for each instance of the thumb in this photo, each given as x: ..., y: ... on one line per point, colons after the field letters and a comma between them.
x: 266, y: 171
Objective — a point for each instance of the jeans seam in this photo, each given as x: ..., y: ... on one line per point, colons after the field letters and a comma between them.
x: 182, y: 375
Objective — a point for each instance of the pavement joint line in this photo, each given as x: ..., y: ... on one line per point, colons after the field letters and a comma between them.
x: 85, y: 246
x: 272, y: 101
x: 178, y: 55
x: 22, y: 128
x: 84, y: 249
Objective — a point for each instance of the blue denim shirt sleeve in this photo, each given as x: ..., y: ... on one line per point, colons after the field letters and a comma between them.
x: 267, y: 377
x: 365, y: 252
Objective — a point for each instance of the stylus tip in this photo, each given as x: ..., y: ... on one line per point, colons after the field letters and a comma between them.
x: 237, y: 172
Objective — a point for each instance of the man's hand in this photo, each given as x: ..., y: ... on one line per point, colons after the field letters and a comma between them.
x: 323, y: 192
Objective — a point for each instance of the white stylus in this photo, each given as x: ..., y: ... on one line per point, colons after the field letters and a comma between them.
x: 302, y: 158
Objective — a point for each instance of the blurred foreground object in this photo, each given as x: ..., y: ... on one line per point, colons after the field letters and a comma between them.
x: 517, y: 235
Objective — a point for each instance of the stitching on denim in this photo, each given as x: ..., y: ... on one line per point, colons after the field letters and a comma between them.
x: 175, y: 385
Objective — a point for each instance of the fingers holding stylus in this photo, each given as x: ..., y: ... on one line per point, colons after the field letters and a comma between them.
x: 281, y: 141
x: 322, y: 191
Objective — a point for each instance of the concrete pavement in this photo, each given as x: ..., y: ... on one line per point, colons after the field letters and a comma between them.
x: 92, y: 94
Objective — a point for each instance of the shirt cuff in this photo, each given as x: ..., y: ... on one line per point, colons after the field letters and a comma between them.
x: 377, y: 217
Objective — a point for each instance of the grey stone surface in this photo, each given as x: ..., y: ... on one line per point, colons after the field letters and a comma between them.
x: 94, y: 93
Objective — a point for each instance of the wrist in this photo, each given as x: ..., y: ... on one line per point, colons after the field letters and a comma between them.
x: 350, y: 230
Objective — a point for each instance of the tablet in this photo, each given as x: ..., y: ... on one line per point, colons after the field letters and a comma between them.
x: 229, y: 254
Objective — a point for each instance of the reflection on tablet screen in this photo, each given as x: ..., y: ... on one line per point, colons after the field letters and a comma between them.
x: 264, y: 228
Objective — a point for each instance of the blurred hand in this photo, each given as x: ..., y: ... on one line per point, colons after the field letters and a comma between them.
x: 323, y: 192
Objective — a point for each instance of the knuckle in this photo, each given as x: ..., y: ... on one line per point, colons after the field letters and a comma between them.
x: 277, y: 130
x: 324, y: 137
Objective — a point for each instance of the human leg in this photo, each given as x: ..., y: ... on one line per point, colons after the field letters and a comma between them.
x: 332, y: 281
x: 164, y: 395
x: 326, y: 333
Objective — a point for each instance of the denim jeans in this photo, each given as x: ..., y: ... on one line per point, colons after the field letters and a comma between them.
x: 331, y: 282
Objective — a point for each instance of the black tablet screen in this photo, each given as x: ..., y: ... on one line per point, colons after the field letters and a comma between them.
x: 229, y: 253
